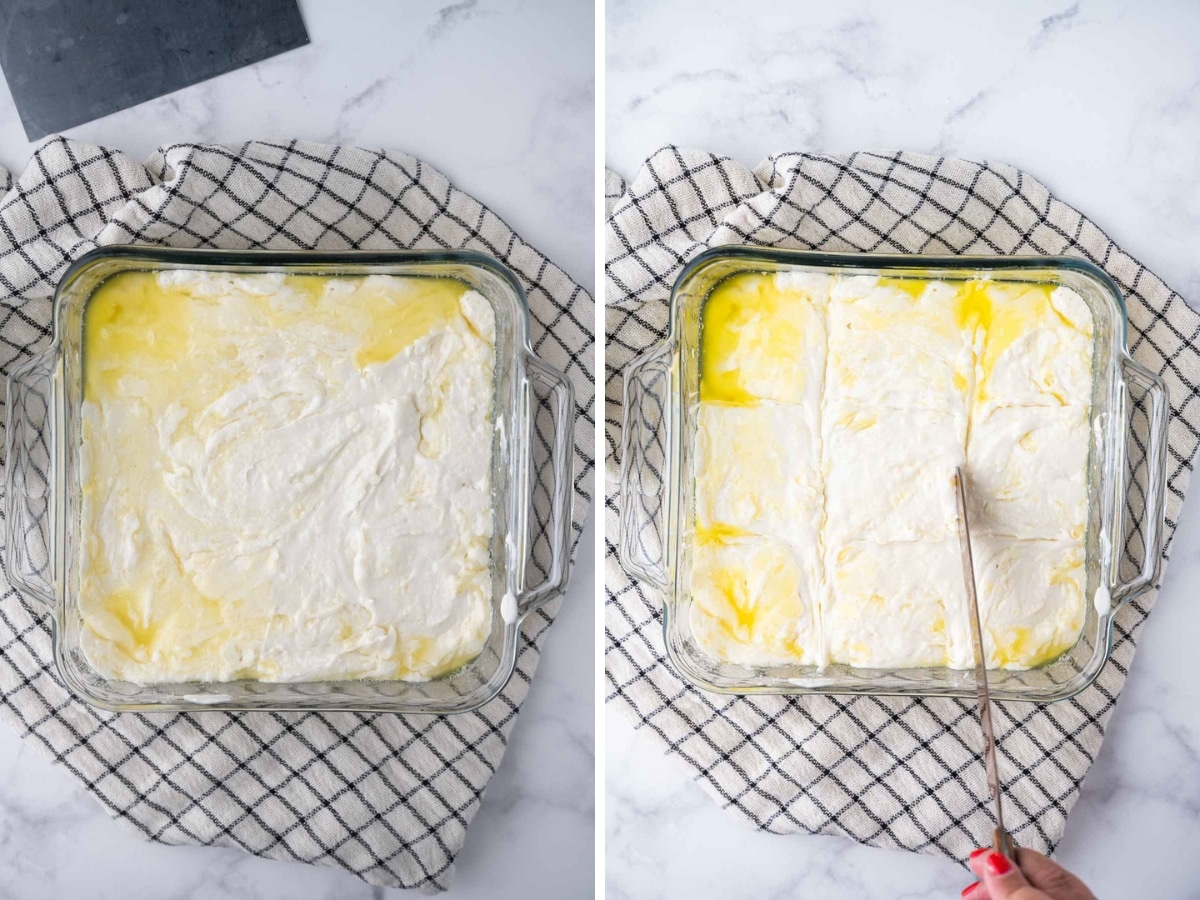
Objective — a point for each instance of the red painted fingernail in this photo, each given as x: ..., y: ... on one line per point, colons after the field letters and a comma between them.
x: 975, y: 854
x: 997, y: 864
x: 970, y: 889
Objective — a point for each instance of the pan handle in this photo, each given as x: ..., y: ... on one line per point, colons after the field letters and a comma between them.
x: 1153, y: 394
x: 28, y: 481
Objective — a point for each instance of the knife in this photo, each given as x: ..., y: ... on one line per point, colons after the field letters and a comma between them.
x: 1002, y: 841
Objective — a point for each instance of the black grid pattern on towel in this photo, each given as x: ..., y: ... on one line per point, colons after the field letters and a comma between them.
x: 386, y: 797
x: 884, y: 771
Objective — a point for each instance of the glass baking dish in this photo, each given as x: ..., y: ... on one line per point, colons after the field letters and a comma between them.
x: 531, y: 399
x: 1129, y: 418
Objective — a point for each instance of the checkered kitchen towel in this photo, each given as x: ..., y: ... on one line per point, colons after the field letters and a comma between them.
x: 387, y: 797
x: 890, y: 772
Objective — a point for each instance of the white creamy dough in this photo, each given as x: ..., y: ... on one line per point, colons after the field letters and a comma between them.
x: 844, y: 458
x: 286, y: 479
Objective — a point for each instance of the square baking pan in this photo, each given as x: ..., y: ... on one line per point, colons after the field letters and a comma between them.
x: 1128, y: 424
x: 43, y: 484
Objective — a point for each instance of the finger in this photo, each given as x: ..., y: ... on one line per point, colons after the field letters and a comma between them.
x: 1032, y: 863
x: 975, y: 861
x: 1003, y: 879
x: 978, y: 890
x: 1047, y: 875
x: 979, y: 859
x: 1037, y: 868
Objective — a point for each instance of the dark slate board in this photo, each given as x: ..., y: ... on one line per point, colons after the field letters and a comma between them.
x: 71, y: 61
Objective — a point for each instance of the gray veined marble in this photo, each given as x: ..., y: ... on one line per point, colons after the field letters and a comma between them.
x: 1100, y: 100
x: 498, y: 95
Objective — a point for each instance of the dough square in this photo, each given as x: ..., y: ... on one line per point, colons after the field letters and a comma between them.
x: 1036, y: 349
x: 1031, y: 598
x: 757, y: 467
x: 754, y: 600
x: 762, y: 342
x: 897, y: 344
x: 888, y: 474
x: 896, y: 605
x: 1027, y: 472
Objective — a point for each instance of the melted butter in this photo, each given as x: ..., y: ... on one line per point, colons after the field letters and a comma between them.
x: 857, y: 421
x: 399, y: 322
x: 997, y: 316
x: 792, y: 645
x: 1019, y: 651
x: 975, y: 313
x: 919, y: 308
x: 421, y: 655
x: 725, y: 315
x: 718, y: 534
x: 131, y: 317
x: 1066, y: 573
x: 914, y: 287
x: 973, y: 305
x: 133, y: 325
x: 748, y: 595
x: 165, y: 619
x: 739, y: 618
x: 125, y: 607
x: 736, y: 592
x: 1015, y: 649
x: 747, y: 319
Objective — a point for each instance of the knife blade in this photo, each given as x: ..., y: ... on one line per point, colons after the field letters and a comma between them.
x: 1002, y: 841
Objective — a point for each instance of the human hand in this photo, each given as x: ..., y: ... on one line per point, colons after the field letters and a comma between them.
x: 1034, y: 877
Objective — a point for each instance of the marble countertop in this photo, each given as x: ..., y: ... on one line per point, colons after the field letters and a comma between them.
x: 1101, y: 101
x: 499, y: 97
